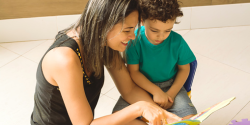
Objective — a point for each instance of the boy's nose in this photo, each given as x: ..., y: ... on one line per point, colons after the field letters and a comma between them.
x: 161, y: 36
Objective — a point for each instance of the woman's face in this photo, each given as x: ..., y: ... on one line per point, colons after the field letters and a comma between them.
x: 119, y: 35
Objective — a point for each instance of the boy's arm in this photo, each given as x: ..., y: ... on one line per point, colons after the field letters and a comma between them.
x: 159, y: 96
x: 141, y: 80
x: 133, y: 94
x: 181, y: 77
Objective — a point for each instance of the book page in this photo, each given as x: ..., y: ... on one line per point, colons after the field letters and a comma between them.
x: 204, y: 114
x: 200, y: 117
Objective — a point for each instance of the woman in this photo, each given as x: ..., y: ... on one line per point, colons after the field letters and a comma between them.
x: 70, y: 74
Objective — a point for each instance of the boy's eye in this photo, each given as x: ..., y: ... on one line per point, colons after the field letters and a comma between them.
x: 153, y: 31
x: 126, y: 31
x: 167, y: 31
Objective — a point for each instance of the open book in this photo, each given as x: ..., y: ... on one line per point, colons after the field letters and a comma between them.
x: 200, y: 117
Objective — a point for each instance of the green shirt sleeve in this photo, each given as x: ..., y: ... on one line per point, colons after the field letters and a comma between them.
x: 132, y: 53
x: 185, y: 54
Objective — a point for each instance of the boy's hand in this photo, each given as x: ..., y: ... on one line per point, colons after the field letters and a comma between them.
x: 170, y: 100
x: 162, y: 99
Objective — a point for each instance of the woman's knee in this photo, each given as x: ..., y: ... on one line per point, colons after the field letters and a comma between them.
x: 137, y: 122
x: 188, y: 116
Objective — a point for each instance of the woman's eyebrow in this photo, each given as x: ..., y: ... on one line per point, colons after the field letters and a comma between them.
x: 129, y: 27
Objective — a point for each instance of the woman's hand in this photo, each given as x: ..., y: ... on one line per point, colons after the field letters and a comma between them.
x: 155, y: 114
x: 162, y: 99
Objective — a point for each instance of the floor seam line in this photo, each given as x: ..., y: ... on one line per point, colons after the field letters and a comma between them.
x: 34, y: 47
x: 238, y: 112
x: 10, y: 61
x: 28, y: 59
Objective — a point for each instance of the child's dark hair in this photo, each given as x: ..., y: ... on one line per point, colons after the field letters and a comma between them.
x: 160, y: 10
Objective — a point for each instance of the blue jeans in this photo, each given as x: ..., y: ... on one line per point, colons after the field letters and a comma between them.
x: 182, y: 104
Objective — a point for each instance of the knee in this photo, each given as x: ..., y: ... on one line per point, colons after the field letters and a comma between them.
x: 137, y: 122
x: 188, y: 116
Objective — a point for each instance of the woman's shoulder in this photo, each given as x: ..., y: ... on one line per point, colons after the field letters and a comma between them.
x: 66, y: 53
x: 59, y: 62
x: 61, y: 57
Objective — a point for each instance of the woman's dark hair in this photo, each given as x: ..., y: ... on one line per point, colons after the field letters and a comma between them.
x: 97, y: 19
x: 162, y: 10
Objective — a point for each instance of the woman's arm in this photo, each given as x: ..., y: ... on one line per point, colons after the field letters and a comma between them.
x: 141, y: 80
x: 65, y: 69
x: 159, y: 96
x: 154, y: 114
x: 128, y: 89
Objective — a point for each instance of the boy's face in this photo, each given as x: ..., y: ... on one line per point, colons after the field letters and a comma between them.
x: 156, y: 31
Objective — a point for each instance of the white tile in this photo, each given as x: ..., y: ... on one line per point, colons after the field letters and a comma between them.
x: 21, y: 47
x: 108, y: 83
x: 36, y: 53
x: 240, y: 60
x: 113, y: 93
x: 185, y: 20
x: 215, y: 82
x: 228, y: 45
x: 182, y: 32
x: 6, y: 56
x: 223, y: 116
x: 66, y: 21
x: 28, y: 29
x: 17, y: 69
x: 18, y: 79
x: 220, y: 16
x: 244, y: 113
x: 104, y: 106
x: 211, y: 74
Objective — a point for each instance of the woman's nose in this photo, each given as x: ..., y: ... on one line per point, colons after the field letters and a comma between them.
x: 132, y: 36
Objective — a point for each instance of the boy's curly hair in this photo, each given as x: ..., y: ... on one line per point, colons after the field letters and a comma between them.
x: 160, y: 10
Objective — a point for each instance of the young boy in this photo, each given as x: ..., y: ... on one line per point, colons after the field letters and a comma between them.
x: 159, y: 60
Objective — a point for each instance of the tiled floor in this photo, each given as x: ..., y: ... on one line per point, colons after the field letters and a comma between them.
x: 223, y: 71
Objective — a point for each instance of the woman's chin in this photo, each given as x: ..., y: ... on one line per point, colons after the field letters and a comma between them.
x: 121, y: 50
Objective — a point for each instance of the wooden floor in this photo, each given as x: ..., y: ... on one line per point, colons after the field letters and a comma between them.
x: 223, y: 71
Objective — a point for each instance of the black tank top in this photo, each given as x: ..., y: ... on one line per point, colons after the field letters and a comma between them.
x: 49, y: 108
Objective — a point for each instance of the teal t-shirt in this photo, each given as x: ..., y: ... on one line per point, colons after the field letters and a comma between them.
x: 159, y: 62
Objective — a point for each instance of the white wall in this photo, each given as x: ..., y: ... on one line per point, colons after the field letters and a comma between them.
x: 39, y: 28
